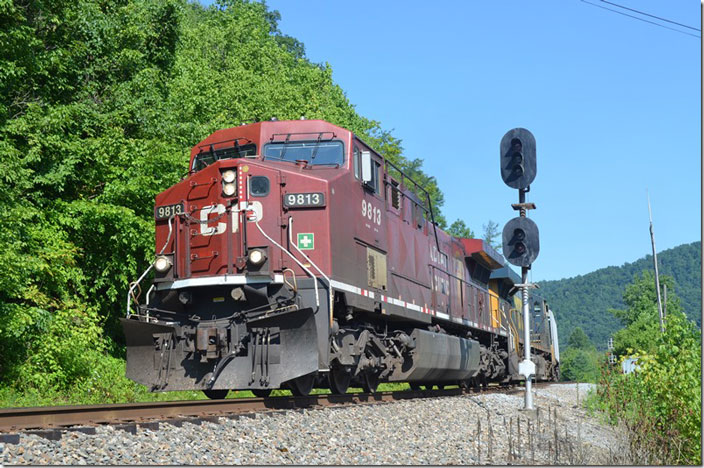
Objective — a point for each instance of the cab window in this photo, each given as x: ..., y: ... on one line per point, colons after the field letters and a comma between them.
x: 374, y: 183
x: 207, y: 157
x: 357, y: 163
x: 318, y: 153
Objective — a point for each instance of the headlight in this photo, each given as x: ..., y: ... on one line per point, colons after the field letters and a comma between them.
x: 256, y: 257
x: 162, y: 263
x: 229, y: 176
x: 229, y: 189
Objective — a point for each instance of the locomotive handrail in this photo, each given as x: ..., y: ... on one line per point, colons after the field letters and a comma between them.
x: 315, y: 283
x: 135, y: 284
x: 406, y: 176
x: 149, y: 291
x: 290, y: 240
x: 429, y: 209
x: 288, y: 135
x: 234, y: 140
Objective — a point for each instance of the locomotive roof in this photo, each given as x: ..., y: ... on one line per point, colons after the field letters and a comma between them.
x: 255, y: 131
x: 507, y: 275
x: 483, y: 253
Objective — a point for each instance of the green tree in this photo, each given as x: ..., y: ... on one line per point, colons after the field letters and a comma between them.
x: 80, y: 75
x: 579, y: 340
x: 460, y: 229
x: 640, y: 317
x: 580, y: 361
x: 491, y: 234
x: 579, y: 365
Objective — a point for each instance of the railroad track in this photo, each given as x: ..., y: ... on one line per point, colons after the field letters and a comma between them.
x: 49, y: 421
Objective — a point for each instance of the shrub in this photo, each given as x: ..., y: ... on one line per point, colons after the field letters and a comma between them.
x: 660, y: 403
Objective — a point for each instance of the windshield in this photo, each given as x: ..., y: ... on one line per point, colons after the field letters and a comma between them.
x: 206, y: 158
x: 315, y: 152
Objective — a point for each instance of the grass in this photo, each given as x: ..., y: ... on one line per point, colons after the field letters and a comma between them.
x: 118, y: 389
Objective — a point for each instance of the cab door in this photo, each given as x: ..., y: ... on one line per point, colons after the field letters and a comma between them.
x: 495, y: 312
x: 370, y: 225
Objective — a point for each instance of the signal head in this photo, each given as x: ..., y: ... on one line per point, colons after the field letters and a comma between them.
x: 521, y: 242
x: 518, y: 166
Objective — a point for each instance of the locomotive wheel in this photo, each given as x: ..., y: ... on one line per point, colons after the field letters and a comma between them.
x: 415, y: 386
x: 370, y: 381
x: 302, y: 386
x: 261, y: 392
x: 216, y: 394
x: 339, y: 379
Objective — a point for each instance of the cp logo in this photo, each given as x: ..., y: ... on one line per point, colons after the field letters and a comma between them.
x: 254, y: 211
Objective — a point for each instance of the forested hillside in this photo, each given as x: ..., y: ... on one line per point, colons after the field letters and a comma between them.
x: 99, y: 104
x: 584, y: 301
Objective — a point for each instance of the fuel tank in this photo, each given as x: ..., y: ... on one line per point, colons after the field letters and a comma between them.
x: 439, y: 357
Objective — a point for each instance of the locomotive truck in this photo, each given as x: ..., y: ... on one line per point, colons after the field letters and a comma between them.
x: 293, y: 255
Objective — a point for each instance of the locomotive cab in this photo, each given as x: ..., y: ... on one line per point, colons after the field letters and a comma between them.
x: 240, y: 297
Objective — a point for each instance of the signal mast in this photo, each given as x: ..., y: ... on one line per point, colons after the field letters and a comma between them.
x: 521, y: 243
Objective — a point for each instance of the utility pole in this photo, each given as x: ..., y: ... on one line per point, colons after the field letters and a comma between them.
x: 655, y: 263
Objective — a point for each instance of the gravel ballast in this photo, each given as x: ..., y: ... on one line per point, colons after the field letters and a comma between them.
x: 464, y: 430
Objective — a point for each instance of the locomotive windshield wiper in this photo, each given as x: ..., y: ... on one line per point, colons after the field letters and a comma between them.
x: 315, y: 149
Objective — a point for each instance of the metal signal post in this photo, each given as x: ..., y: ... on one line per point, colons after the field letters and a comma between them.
x: 521, y: 243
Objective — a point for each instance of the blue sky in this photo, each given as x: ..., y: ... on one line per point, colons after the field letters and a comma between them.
x: 614, y: 104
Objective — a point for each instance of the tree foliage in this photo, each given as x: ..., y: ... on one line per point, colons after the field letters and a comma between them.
x: 580, y: 365
x: 580, y: 361
x: 460, y: 229
x: 491, y: 233
x: 99, y: 104
x: 659, y: 403
x: 640, y: 317
x: 579, y: 340
x: 79, y: 178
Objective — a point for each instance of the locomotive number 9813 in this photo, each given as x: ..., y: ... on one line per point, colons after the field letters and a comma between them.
x: 166, y: 211
x: 304, y: 200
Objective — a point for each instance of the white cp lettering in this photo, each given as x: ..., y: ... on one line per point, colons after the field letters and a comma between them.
x: 206, y: 230
x: 254, y: 210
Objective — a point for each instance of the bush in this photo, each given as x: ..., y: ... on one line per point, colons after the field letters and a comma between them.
x: 660, y: 403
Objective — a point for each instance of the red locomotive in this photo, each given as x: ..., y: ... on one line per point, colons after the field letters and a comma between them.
x: 293, y: 255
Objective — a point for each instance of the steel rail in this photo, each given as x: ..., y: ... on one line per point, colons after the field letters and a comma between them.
x: 56, y: 417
